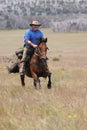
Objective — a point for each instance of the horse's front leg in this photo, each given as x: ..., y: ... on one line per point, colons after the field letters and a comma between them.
x: 49, y: 80
x: 37, y: 83
x: 36, y: 79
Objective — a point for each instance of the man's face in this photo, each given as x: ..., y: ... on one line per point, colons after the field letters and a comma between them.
x: 35, y: 27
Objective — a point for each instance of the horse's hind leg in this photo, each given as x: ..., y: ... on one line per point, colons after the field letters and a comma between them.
x: 49, y: 80
x: 34, y: 83
x: 22, y: 79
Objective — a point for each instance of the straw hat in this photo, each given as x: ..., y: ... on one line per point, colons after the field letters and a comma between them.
x: 35, y: 23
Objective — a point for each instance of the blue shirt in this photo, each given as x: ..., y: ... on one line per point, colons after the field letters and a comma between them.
x: 32, y: 36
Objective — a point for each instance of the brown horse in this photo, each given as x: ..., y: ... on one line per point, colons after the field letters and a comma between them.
x: 37, y: 66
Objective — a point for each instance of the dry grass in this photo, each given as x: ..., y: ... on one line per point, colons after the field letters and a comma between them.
x: 64, y: 107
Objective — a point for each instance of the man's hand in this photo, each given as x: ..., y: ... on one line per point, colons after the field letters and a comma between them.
x: 32, y: 44
x: 35, y: 46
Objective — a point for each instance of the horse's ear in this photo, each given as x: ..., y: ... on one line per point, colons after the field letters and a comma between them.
x: 41, y: 39
x: 45, y: 39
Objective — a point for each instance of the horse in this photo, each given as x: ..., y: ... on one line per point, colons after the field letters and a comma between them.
x: 37, y: 66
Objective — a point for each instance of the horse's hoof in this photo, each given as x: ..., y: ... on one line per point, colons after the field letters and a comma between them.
x: 23, y: 84
x: 49, y: 86
x: 37, y: 88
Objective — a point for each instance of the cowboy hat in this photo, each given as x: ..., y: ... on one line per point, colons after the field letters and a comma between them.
x: 35, y: 23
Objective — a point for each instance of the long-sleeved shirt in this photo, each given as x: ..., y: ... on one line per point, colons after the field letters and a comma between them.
x: 32, y: 36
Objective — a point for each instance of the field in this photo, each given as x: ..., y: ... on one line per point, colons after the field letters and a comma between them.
x: 64, y: 106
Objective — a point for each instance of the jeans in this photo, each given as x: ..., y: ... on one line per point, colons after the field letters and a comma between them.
x: 27, y: 52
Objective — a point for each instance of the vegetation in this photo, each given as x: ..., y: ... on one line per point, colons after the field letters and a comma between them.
x: 64, y: 107
x: 32, y: 9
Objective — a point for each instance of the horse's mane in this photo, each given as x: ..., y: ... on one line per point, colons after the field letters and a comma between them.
x: 42, y: 40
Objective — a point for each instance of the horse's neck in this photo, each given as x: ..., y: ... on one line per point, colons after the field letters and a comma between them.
x: 35, y: 57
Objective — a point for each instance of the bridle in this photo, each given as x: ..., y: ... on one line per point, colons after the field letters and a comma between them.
x: 38, y: 52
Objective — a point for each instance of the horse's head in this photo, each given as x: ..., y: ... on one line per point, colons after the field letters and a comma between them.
x: 42, y: 48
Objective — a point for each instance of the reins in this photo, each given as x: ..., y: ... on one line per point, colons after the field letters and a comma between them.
x: 37, y: 50
x: 38, y: 53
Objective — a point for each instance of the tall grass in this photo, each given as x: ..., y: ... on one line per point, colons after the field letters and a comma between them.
x: 64, y: 107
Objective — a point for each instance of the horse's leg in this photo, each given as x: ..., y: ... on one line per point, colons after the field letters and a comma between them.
x: 34, y: 83
x: 22, y: 79
x: 36, y: 80
x: 37, y: 83
x: 35, y: 77
x: 49, y: 80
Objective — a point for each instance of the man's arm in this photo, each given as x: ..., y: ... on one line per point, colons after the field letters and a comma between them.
x: 30, y: 43
x: 26, y: 39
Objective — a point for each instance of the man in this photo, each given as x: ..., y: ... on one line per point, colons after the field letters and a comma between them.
x: 30, y: 42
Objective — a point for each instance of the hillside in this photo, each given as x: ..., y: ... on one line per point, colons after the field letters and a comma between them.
x: 19, y: 13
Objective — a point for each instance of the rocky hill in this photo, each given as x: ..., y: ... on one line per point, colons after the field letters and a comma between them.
x: 54, y: 13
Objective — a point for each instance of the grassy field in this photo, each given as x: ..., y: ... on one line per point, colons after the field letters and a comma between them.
x: 64, y: 107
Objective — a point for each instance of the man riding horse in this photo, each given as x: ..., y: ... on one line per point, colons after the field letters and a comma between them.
x: 32, y: 59
x: 30, y: 43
